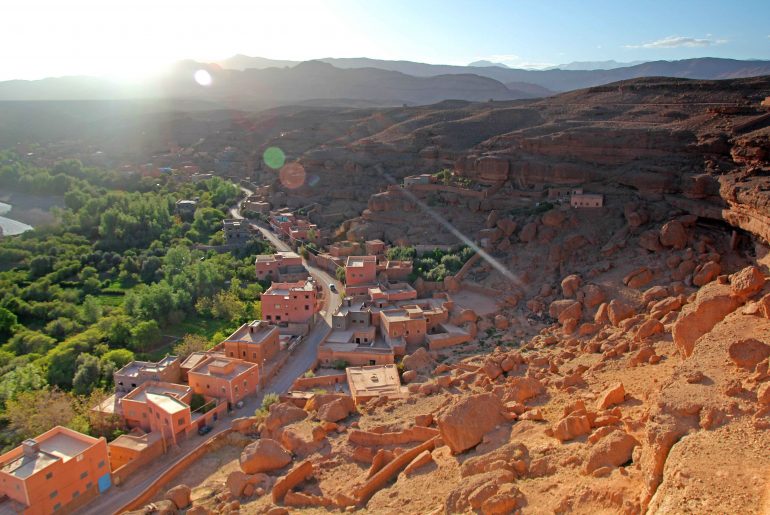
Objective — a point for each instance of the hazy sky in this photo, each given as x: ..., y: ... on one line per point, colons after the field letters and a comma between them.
x: 131, y: 37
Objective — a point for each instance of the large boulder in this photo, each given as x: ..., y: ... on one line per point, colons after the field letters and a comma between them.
x: 554, y: 218
x: 565, y: 309
x: 570, y: 285
x: 471, y: 493
x: 617, y: 311
x: 336, y: 410
x: 180, y: 496
x: 706, y: 273
x: 613, y: 450
x: 712, y: 303
x: 419, y: 361
x: 615, y: 394
x: 673, y: 234
x: 465, y: 422
x: 747, y: 282
x: 282, y: 414
x: 747, y: 353
x: 264, y: 455
x: 571, y: 427
x: 593, y: 295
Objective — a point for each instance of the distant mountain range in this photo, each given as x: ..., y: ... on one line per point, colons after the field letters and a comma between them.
x: 244, y: 82
x: 554, y: 80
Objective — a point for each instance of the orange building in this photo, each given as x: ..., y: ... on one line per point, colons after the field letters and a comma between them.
x: 161, y: 407
x: 281, y: 266
x: 290, y: 302
x: 255, y: 342
x: 587, y: 200
x: 224, y: 378
x: 59, y: 470
x: 360, y: 270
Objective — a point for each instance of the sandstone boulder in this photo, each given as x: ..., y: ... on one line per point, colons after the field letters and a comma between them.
x: 485, y: 410
x: 571, y: 427
x: 617, y: 311
x: 336, y: 410
x: 747, y: 282
x: 471, y: 493
x: 673, y: 234
x: 570, y: 285
x: 507, y: 499
x: 409, y: 376
x: 712, y: 303
x: 747, y: 353
x: 706, y: 273
x: 648, y: 328
x: 763, y: 394
x: 612, y: 451
x: 554, y: 218
x: 419, y: 361
x: 506, y: 225
x: 593, y: 295
x: 638, y: 278
x: 180, y: 496
x: 615, y: 394
x: 236, y: 482
x: 649, y: 240
x: 654, y: 293
x: 565, y: 309
x: 264, y: 455
x: 281, y: 414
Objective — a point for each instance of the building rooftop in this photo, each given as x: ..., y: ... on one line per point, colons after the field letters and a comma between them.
x: 253, y: 332
x: 359, y: 261
x: 286, y: 288
x: 33, y: 455
x: 222, y: 367
x: 135, y: 367
x: 167, y: 402
x: 142, y: 393
x: 374, y: 380
x: 136, y: 442
x: 194, y: 359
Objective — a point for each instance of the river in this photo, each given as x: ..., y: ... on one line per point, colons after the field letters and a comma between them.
x: 10, y: 226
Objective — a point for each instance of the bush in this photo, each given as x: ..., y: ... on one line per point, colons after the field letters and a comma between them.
x: 339, y: 364
x: 269, y: 399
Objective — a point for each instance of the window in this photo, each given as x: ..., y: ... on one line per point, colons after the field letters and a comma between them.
x: 254, y: 355
x: 244, y: 354
x: 181, y: 421
x: 101, y: 464
x: 307, y: 307
x: 49, y: 475
x: 54, y: 494
x: 76, y: 494
x: 84, y: 475
x: 245, y: 384
x: 89, y: 485
x: 57, y: 506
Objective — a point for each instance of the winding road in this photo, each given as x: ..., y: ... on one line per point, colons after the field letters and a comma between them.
x: 302, y: 357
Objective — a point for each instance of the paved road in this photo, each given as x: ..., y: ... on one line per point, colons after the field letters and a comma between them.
x: 302, y: 357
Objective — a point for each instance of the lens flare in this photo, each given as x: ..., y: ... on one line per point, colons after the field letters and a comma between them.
x: 292, y: 176
x: 274, y: 158
x: 203, y: 77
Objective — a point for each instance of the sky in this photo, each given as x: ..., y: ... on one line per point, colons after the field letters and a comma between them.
x: 132, y: 38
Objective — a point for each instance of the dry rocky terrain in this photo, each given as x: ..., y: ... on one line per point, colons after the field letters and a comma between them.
x: 626, y: 368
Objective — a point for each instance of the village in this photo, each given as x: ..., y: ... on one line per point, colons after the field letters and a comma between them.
x: 360, y: 328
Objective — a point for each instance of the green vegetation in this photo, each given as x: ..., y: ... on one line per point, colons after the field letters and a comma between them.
x: 268, y: 400
x: 448, y: 178
x: 537, y: 209
x: 434, y: 265
x: 110, y: 281
x: 339, y: 364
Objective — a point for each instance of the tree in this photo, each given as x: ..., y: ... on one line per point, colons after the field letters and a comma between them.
x: 8, y: 322
x: 227, y: 306
x: 35, y: 412
x: 145, y: 335
x: 23, y: 379
x: 340, y: 274
x: 189, y: 344
x: 91, y: 310
x: 87, y: 375
x: 118, y: 357
x: 40, y: 265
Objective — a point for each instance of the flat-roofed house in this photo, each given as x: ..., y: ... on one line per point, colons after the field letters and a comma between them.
x: 159, y: 407
x: 360, y: 274
x: 225, y: 378
x: 134, y: 448
x: 136, y: 373
x: 281, y: 266
x: 374, y: 381
x: 57, y: 471
x: 293, y: 302
x: 255, y: 342
x: 587, y: 200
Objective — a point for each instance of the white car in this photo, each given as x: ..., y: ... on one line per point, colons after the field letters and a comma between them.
x: 332, y: 287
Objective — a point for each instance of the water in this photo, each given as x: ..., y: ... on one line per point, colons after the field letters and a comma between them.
x: 10, y: 226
